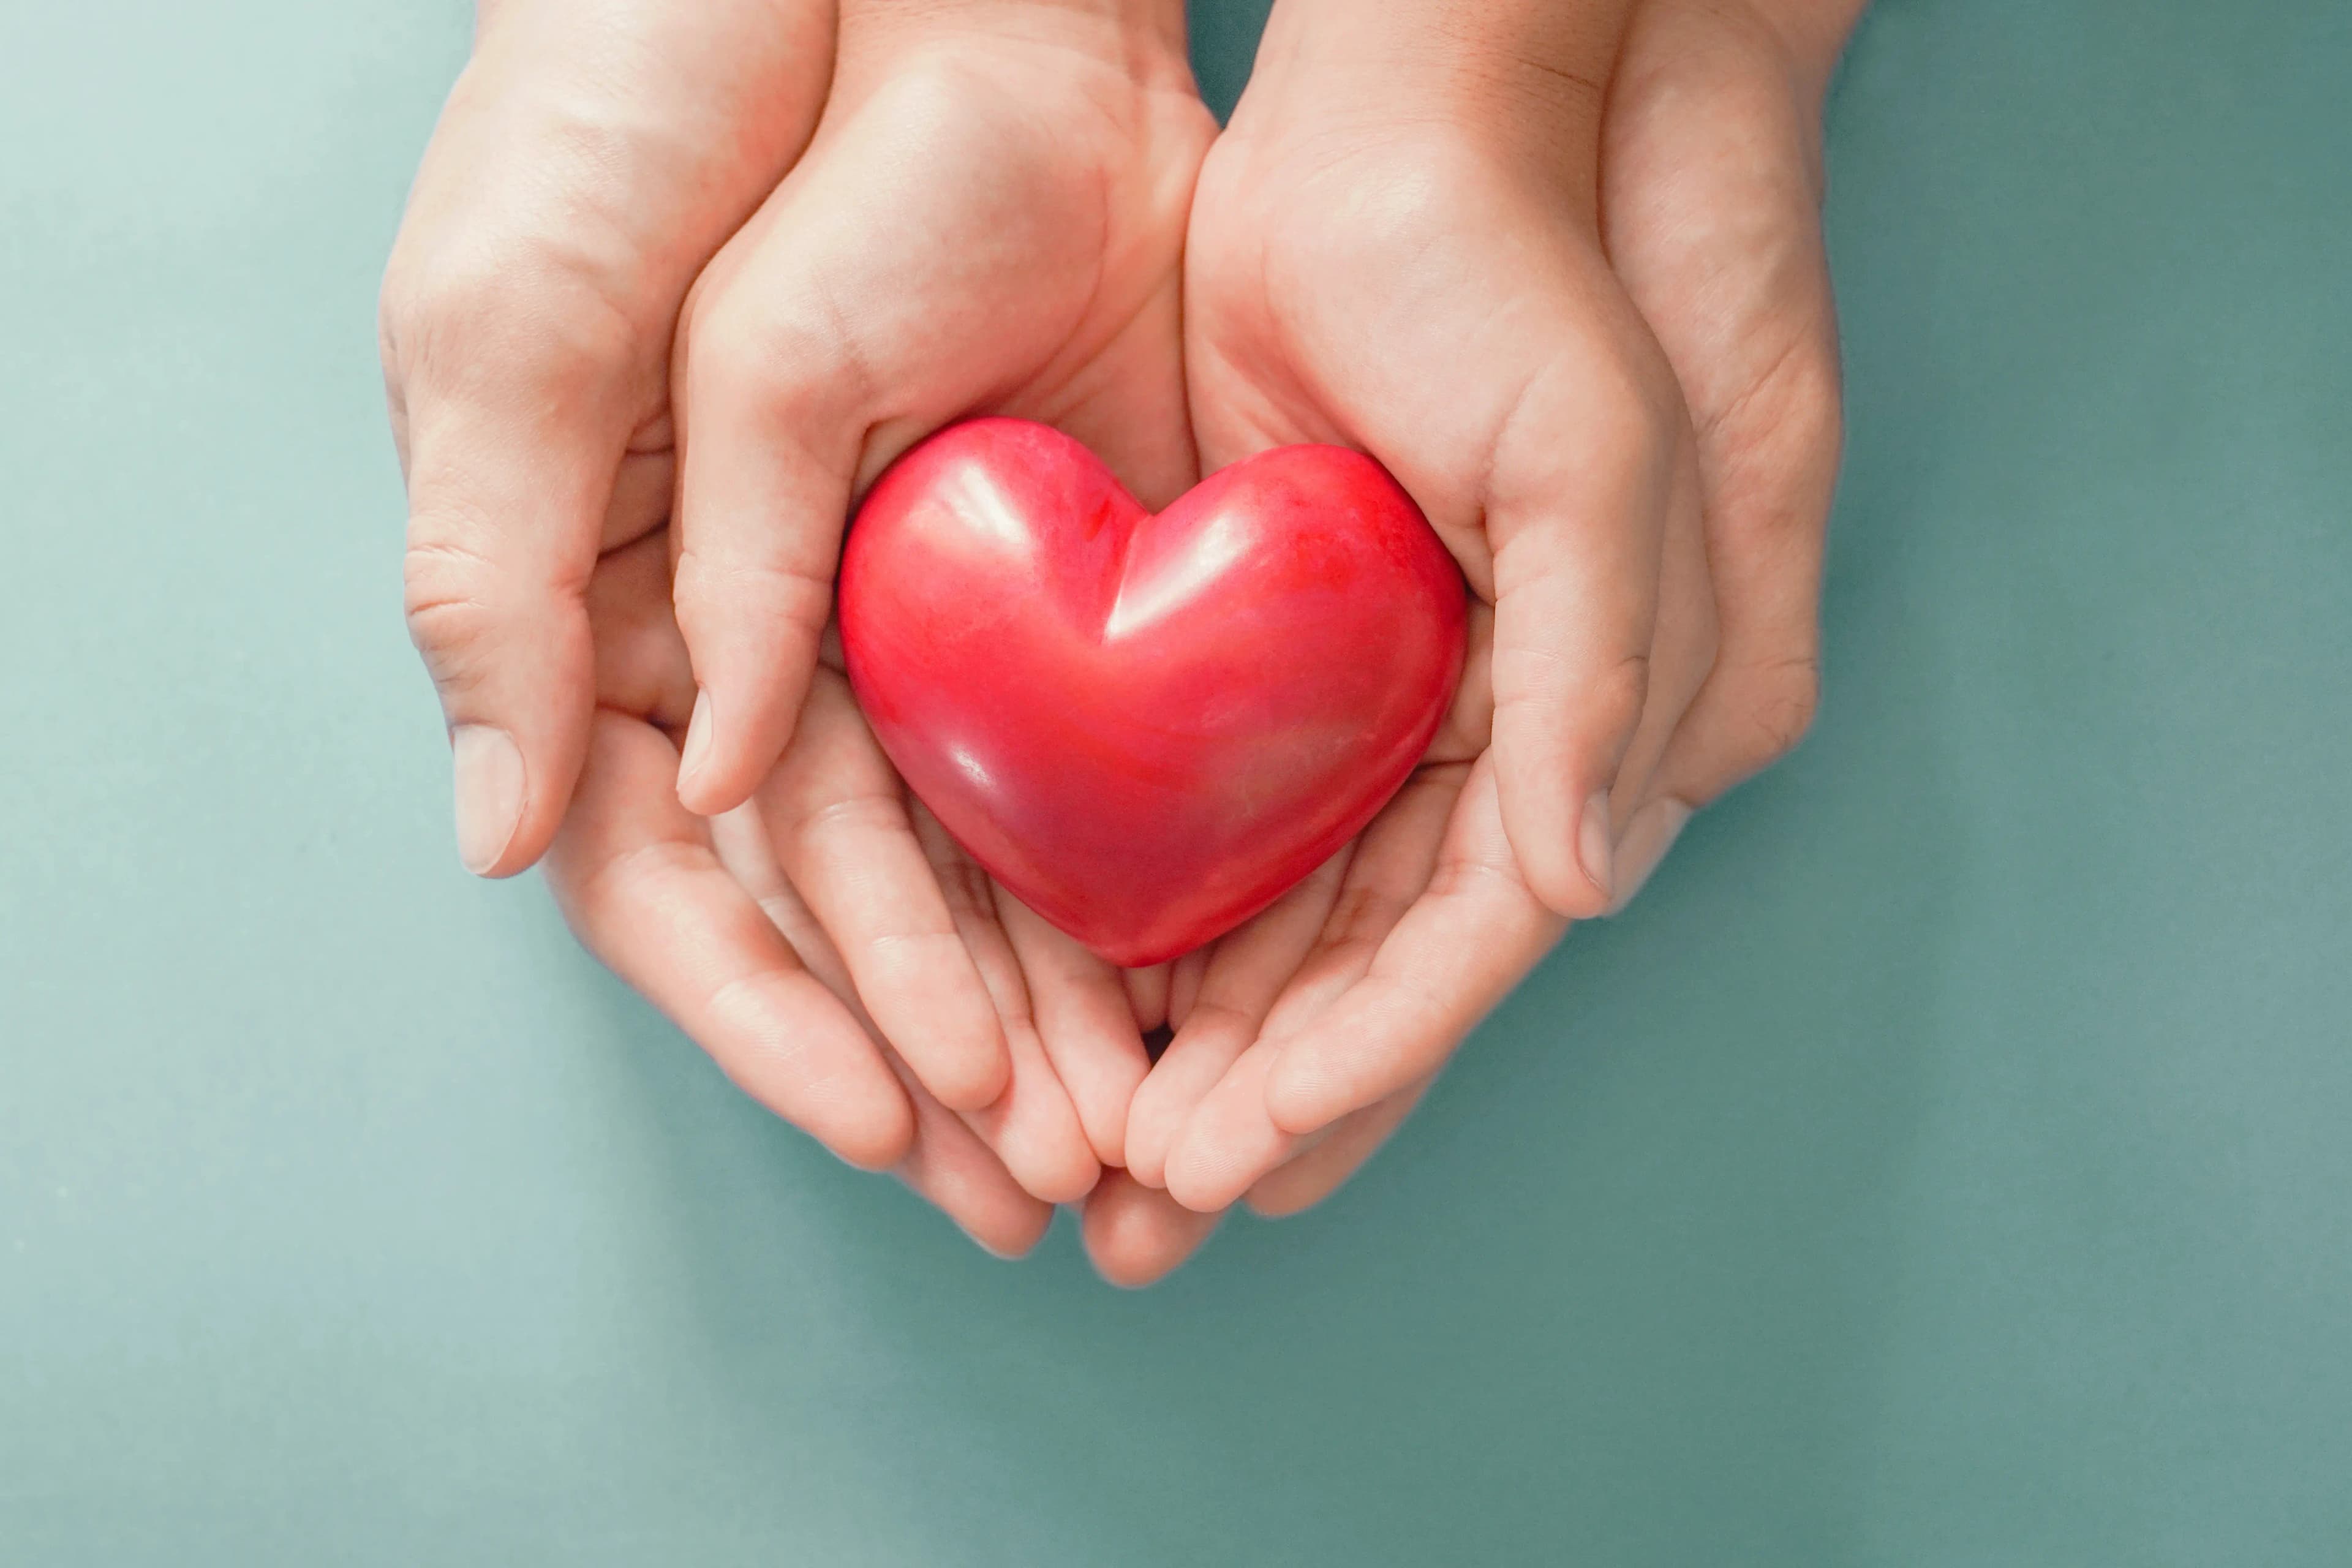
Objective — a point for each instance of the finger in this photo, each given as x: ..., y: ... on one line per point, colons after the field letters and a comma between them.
x: 1451, y: 959
x: 1147, y: 996
x: 1576, y: 580
x: 1391, y: 868
x: 1032, y: 1126
x: 641, y: 666
x: 843, y: 839
x: 1229, y: 1138
x: 643, y: 489
x: 510, y: 472
x: 1082, y: 1014
x: 946, y: 1162
x: 637, y: 877
x: 777, y: 390
x: 1343, y: 1147
x: 1239, y: 984
x: 1767, y: 494
x: 1229, y: 1141
x: 1135, y: 1236
x: 951, y: 1166
x: 1185, y: 983
x: 1683, y: 652
x: 765, y: 484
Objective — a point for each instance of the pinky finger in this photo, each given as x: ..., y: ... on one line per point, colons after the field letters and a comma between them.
x: 1082, y: 1014
x: 957, y: 1174
x: 1136, y: 1236
x: 1323, y: 1168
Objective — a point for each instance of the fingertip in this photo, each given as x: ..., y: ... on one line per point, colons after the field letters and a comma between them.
x: 1205, y: 1180
x: 489, y: 786
x: 1106, y: 1104
x: 967, y: 1081
x: 717, y: 769
x: 1136, y: 1237
x: 1299, y: 1092
x: 1567, y: 865
x: 1150, y: 1136
x: 694, y: 755
x: 1013, y: 1236
x: 880, y: 1139
x: 1648, y: 837
x: 1069, y: 1180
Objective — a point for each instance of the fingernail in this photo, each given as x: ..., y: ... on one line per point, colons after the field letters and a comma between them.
x: 1647, y: 839
x: 488, y: 772
x: 698, y: 741
x: 1592, y: 842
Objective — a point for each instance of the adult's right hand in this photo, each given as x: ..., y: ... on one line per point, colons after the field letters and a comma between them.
x: 592, y: 159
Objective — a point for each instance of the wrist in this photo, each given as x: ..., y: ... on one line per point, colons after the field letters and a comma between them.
x: 1146, y: 37
x: 1524, y: 78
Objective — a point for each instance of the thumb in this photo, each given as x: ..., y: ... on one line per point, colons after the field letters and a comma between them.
x: 510, y: 472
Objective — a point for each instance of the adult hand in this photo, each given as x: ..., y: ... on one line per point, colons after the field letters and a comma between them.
x: 1710, y: 180
x: 1713, y: 184
x: 700, y: 915
x: 592, y: 159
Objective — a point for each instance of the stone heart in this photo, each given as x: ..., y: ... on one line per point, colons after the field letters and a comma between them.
x: 1146, y: 726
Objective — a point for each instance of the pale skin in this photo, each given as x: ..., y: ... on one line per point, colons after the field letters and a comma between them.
x: 1584, y: 318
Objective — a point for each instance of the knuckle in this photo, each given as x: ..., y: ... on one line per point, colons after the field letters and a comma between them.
x: 483, y: 312
x: 445, y: 582
x: 1784, y: 431
x: 729, y: 349
x: 1786, y: 698
x: 854, y: 818
x: 791, y: 351
x: 789, y: 594
x: 1615, y: 695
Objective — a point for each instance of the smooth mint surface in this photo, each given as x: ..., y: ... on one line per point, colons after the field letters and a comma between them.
x: 1946, y: 1162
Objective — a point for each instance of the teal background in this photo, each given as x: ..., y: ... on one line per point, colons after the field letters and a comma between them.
x: 1947, y: 1163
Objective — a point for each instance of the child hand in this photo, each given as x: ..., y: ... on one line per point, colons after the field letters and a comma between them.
x: 990, y: 220
x: 1710, y: 179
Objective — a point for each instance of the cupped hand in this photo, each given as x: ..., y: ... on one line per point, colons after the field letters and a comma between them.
x: 591, y: 160
x: 990, y: 220
x: 708, y: 917
x: 528, y: 315
x: 1323, y: 1034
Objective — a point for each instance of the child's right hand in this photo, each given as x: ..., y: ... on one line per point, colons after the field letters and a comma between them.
x: 990, y: 220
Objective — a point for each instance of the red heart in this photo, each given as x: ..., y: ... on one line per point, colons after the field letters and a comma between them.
x: 1148, y: 726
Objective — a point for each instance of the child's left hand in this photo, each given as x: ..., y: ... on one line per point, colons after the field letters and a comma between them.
x: 1710, y: 181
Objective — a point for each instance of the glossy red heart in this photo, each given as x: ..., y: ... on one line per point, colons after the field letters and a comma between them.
x: 1148, y: 726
